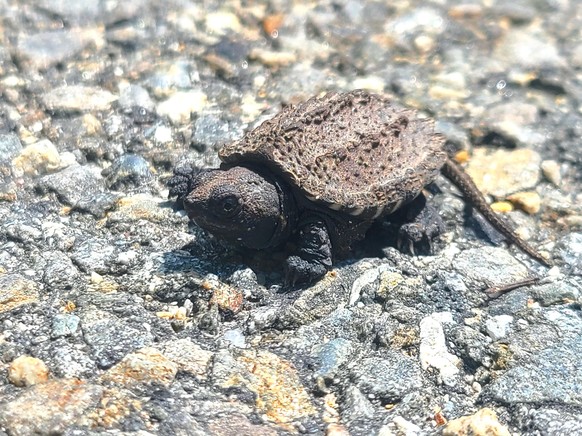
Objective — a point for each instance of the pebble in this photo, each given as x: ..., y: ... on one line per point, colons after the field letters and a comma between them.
x: 189, y: 357
x: 501, y: 172
x: 527, y: 51
x: 37, y: 159
x: 527, y: 201
x: 280, y: 394
x: 45, y: 49
x: 170, y: 77
x: 141, y: 369
x: 332, y: 355
x: 514, y: 123
x: 490, y: 266
x: 16, y: 291
x: 356, y: 405
x: 235, y: 337
x: 132, y: 96
x: 551, y: 171
x: 77, y: 98
x: 388, y: 378
x: 76, y: 185
x: 50, y: 408
x: 499, y: 326
x: 72, y: 362
x: 138, y: 207
x: 228, y: 298
x: 550, y: 376
x: 211, y: 132
x: 126, y: 172
x: 433, y: 350
x: 237, y: 425
x: 27, y: 371
x: 163, y: 135
x: 10, y: 146
x: 482, y: 423
x: 570, y: 250
x: 110, y: 338
x: 180, y: 106
x: 64, y: 325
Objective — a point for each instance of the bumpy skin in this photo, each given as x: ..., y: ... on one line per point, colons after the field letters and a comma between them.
x: 320, y: 173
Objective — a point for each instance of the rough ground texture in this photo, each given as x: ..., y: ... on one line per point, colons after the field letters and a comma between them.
x: 118, y: 316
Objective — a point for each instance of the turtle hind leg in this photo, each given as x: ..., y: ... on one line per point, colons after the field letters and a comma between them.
x: 421, y: 224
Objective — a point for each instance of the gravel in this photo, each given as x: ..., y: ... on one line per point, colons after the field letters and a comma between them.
x: 117, y: 315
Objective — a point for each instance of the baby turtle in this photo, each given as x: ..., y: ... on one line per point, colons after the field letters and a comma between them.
x: 319, y: 174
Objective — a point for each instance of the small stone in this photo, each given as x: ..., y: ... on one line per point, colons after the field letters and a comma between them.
x: 526, y: 50
x: 135, y: 96
x: 78, y: 98
x: 219, y: 23
x: 127, y: 171
x: 498, y: 326
x: 211, y: 131
x: 163, y: 135
x: 189, y: 357
x: 111, y: 338
x: 490, y: 266
x: 482, y: 423
x: 433, y: 347
x: 235, y: 337
x: 16, y: 291
x: 27, y: 371
x: 404, y: 426
x: 552, y: 376
x: 75, y: 186
x: 180, y: 106
x: 169, y: 77
x: 10, y: 146
x: 142, y: 368
x: 356, y: 405
x: 50, y: 408
x: 551, y: 171
x: 238, y: 425
x: 570, y: 250
x: 138, y: 207
x: 272, y: 58
x: 64, y: 325
x: 334, y: 429
x: 503, y: 172
x: 36, y: 159
x: 275, y: 382
x: 371, y: 83
x: 332, y: 355
x: 528, y: 201
x: 226, y: 297
x: 502, y: 206
x: 388, y: 378
x: 44, y: 49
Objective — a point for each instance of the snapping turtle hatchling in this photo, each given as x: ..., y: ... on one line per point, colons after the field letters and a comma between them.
x: 320, y: 173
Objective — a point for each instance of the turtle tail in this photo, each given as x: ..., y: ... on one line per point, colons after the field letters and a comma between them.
x: 452, y: 171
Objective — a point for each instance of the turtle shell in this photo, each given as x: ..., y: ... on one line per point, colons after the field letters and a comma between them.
x: 355, y: 152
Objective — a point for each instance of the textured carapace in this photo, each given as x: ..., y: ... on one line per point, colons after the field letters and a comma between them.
x: 354, y: 152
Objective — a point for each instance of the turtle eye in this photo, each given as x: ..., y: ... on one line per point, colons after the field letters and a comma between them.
x: 229, y: 206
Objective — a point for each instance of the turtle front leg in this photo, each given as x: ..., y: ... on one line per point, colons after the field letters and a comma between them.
x: 421, y: 225
x: 313, y: 257
x: 182, y: 182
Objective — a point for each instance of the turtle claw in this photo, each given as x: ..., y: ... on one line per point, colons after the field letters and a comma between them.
x: 182, y: 182
x: 299, y: 271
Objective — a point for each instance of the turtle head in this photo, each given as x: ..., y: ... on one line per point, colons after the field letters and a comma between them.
x: 240, y: 206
